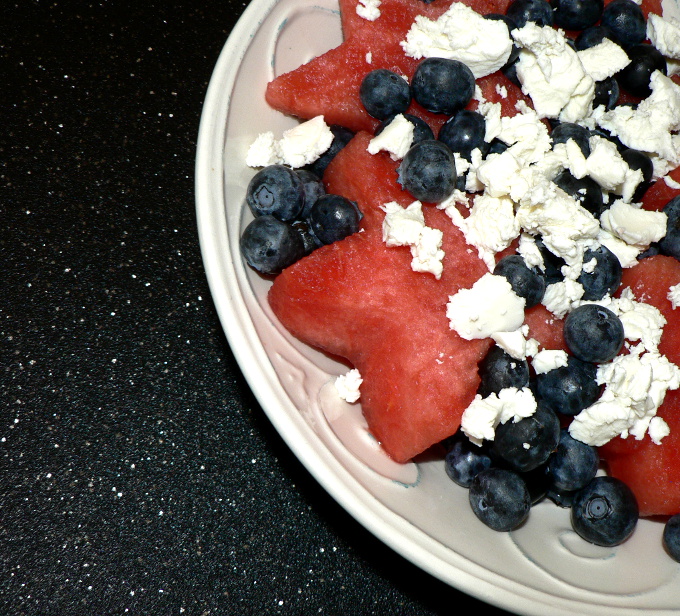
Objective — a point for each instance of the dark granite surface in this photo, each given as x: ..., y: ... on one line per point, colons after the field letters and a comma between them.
x: 138, y: 475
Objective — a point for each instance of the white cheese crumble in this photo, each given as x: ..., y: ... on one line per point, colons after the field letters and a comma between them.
x: 488, y: 307
x: 395, y: 138
x: 552, y: 74
x: 515, y: 343
x: 484, y: 45
x: 633, y: 225
x: 548, y: 359
x: 406, y: 227
x: 480, y: 419
x: 368, y: 9
x: 347, y: 385
x: 674, y: 296
x: 664, y: 34
x: 603, y: 60
x: 298, y: 146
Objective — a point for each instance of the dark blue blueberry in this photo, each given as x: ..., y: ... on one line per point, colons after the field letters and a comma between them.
x: 341, y: 137
x: 561, y: 499
x: 552, y: 264
x: 593, y: 36
x: 537, y: 11
x: 644, y: 60
x: 639, y: 160
x: 593, y: 333
x: 384, y: 93
x: 421, y: 129
x: 269, y: 245
x: 572, y: 465
x: 537, y: 483
x: 576, y: 14
x: 464, y: 132
x: 568, y: 130
x: 586, y: 191
x: 569, y: 389
x: 671, y: 537
x: 499, y: 370
x: 605, y: 512
x: 309, y: 241
x: 313, y: 188
x: 652, y: 251
x: 333, y: 218
x: 605, y: 278
x: 442, y: 86
x: 428, y: 171
x: 511, y: 25
x: 527, y: 443
x: 465, y: 459
x: 276, y: 190
x: 510, y: 72
x: 626, y: 21
x: 500, y: 499
x: 525, y: 281
x: 607, y: 93
x: 669, y: 245
x: 497, y: 147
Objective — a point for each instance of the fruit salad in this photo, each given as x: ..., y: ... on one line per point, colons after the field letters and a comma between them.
x: 480, y: 211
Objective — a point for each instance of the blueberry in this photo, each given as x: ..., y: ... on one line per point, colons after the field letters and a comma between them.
x: 592, y: 36
x: 523, y: 11
x: 428, y: 171
x: 341, y: 137
x: 464, y: 132
x: 384, y: 93
x: 551, y: 262
x: 510, y: 72
x: 537, y: 483
x: 276, y: 190
x: 309, y: 241
x: 561, y: 498
x: 644, y: 60
x: 669, y: 245
x: 527, y: 443
x: 572, y: 465
x: 499, y: 370
x: 443, y: 86
x: 626, y: 21
x: 269, y: 245
x: 568, y: 130
x: 605, y: 512
x: 639, y: 160
x: 569, y: 389
x: 652, y: 251
x: 607, y: 93
x: 497, y: 147
x: 671, y: 537
x: 465, y: 459
x: 333, y: 218
x: 605, y: 278
x: 525, y: 281
x: 313, y: 188
x: 576, y: 14
x: 593, y: 333
x: 586, y: 191
x: 421, y: 129
x: 500, y: 499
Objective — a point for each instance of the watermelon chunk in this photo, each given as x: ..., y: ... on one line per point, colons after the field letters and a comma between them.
x: 660, y: 193
x: 653, y: 471
x: 361, y: 300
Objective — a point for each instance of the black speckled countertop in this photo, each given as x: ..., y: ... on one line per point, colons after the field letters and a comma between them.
x: 138, y: 475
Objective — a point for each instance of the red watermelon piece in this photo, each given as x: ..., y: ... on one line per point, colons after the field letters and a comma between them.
x: 653, y: 471
x: 660, y: 193
x: 360, y: 300
x: 329, y: 84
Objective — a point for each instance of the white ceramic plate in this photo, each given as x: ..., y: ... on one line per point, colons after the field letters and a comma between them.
x: 542, y: 567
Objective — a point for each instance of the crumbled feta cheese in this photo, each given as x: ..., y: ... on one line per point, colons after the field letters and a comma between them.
x: 530, y: 252
x: 607, y: 167
x: 603, y: 60
x: 551, y: 73
x: 560, y: 297
x: 368, y: 9
x: 527, y: 136
x: 626, y: 254
x: 480, y: 419
x: 488, y: 307
x: 396, y: 138
x: 515, y: 343
x: 490, y: 227
x: 347, y: 385
x: 664, y: 34
x: 299, y: 146
x: 641, y: 322
x: 406, y: 227
x: 460, y: 34
x: 549, y: 359
x: 369, y: 58
x: 634, y: 225
x: 674, y: 296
